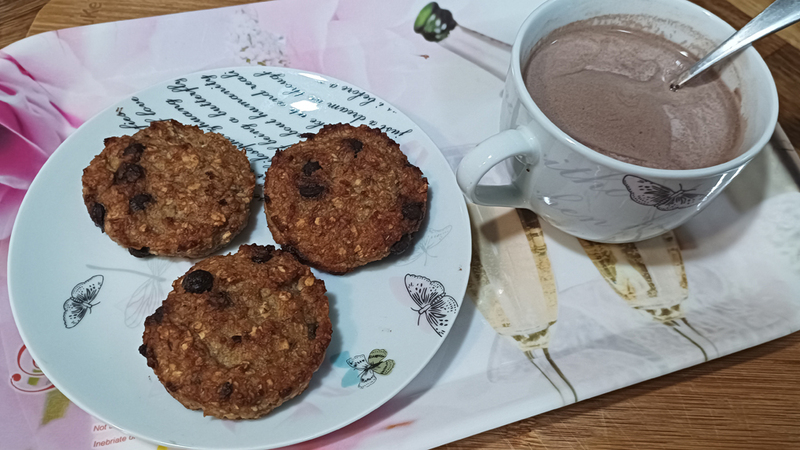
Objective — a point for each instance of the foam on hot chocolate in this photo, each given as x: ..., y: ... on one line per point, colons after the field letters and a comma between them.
x: 608, y: 88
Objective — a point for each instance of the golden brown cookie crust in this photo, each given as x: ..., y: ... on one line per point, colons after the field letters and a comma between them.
x: 245, y: 343
x: 169, y: 188
x: 343, y: 198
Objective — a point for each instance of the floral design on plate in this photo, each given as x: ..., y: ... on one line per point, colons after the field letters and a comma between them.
x: 431, y: 239
x: 81, y: 300
x: 28, y: 377
x: 433, y: 302
x: 368, y: 367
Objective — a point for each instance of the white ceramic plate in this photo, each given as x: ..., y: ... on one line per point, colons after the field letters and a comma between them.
x: 57, y: 255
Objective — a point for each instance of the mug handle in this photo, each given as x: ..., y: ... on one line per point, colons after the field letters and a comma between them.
x: 489, y: 153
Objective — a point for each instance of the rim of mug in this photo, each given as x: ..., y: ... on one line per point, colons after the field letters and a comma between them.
x: 621, y: 166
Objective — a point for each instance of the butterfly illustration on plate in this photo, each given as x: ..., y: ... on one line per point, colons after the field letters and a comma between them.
x: 81, y: 300
x: 376, y: 363
x: 433, y: 302
x: 648, y: 193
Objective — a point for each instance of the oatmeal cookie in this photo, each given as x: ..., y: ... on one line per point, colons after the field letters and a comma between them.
x: 170, y: 189
x: 344, y: 197
x: 239, y: 334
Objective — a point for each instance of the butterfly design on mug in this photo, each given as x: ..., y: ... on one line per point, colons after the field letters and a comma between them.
x: 376, y: 363
x: 81, y: 300
x: 648, y: 193
x: 432, y: 300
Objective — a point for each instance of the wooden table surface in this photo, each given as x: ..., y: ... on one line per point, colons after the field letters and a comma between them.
x: 747, y: 400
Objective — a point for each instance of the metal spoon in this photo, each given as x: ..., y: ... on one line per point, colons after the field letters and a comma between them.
x: 777, y: 16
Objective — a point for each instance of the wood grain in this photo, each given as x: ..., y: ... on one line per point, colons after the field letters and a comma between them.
x: 785, y: 67
x: 746, y: 400
x: 17, y: 16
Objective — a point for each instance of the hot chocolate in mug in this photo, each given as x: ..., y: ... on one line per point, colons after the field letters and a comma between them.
x: 591, y: 195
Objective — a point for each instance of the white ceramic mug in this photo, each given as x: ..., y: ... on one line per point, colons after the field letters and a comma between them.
x: 588, y: 194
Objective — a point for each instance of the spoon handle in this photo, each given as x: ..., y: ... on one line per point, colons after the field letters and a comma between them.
x: 777, y: 16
